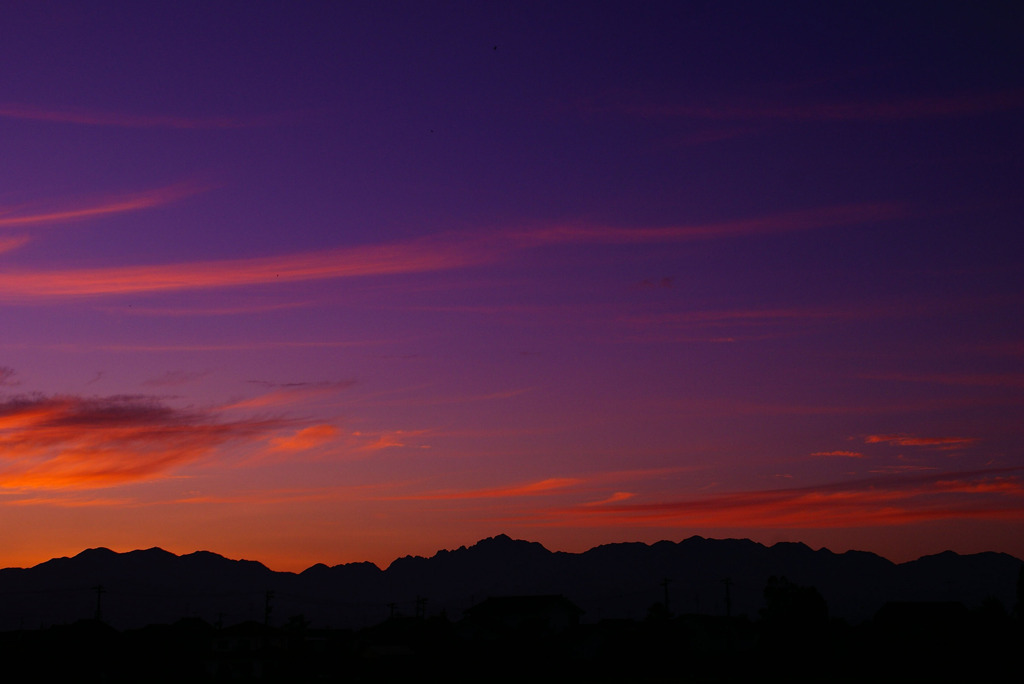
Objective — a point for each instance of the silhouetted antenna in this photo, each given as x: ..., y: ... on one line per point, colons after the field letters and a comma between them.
x: 728, y: 596
x: 664, y: 584
x: 391, y: 607
x: 99, y: 593
x: 267, y: 598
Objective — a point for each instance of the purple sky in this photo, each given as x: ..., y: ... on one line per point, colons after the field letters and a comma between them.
x: 328, y: 282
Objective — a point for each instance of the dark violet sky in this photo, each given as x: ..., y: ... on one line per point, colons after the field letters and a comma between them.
x: 326, y: 282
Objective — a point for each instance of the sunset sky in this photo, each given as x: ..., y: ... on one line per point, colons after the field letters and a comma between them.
x: 313, y: 282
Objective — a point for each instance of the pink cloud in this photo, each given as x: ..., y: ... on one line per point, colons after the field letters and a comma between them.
x: 12, y: 243
x: 846, y: 454
x: 410, y: 257
x: 19, y: 216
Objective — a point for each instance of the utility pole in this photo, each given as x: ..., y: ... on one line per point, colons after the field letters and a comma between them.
x: 267, y: 598
x: 99, y: 592
x: 421, y: 607
x: 728, y: 596
x: 664, y: 584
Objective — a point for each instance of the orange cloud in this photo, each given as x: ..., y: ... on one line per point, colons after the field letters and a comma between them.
x: 410, y: 257
x: 111, y: 205
x: 614, y: 498
x: 306, y: 438
x: 76, y: 443
x: 71, y: 502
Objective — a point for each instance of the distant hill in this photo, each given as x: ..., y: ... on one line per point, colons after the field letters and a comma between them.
x: 610, y: 581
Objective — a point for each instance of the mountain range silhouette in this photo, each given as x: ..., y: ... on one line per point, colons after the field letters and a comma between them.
x: 623, y: 580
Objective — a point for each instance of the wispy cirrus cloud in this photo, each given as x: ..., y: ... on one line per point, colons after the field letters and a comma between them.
x: 284, y: 394
x: 895, y: 109
x: 431, y: 254
x: 388, y: 439
x: 373, y: 260
x: 883, y: 500
x: 306, y: 438
x: 69, y: 442
x: 10, y: 244
x: 189, y: 312
x: 844, y: 454
x: 786, y: 222
x: 615, y: 497
x: 175, y: 378
x: 915, y: 441
x: 547, y: 486
x: 21, y: 216
x: 92, y: 117
x: 962, y: 379
x: 745, y: 317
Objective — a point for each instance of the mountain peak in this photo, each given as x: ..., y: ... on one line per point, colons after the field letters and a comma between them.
x: 97, y: 552
x: 504, y: 546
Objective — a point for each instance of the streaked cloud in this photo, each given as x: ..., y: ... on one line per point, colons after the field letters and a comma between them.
x: 9, y: 244
x: 175, y: 378
x: 284, y: 394
x: 547, y: 486
x: 260, y: 308
x: 912, y: 440
x: 431, y: 254
x: 416, y: 256
x: 787, y: 222
x: 614, y: 498
x: 963, y: 379
x: 388, y: 439
x: 306, y: 438
x: 68, y: 442
x: 894, y: 109
x: 744, y: 317
x: 92, y: 117
x: 878, y: 501
x: 845, y: 454
x: 11, y: 217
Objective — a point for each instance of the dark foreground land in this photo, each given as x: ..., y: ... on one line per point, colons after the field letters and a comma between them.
x: 540, y: 639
